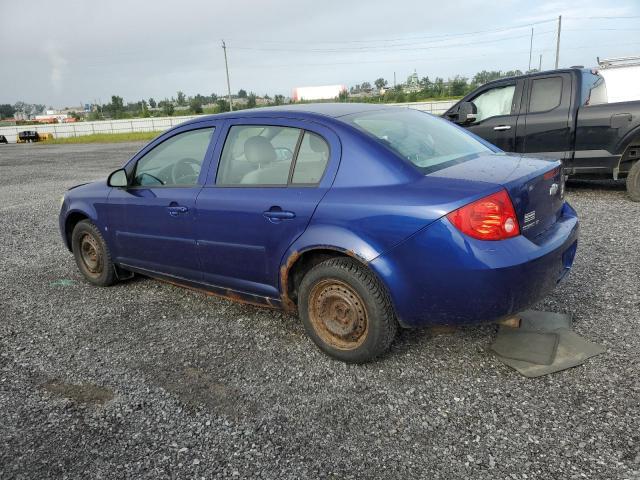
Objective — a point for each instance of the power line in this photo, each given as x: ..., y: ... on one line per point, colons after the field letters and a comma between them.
x: 602, y: 29
x: 383, y: 48
x: 422, y: 59
x: 410, y: 37
x: 415, y: 59
x: 624, y: 17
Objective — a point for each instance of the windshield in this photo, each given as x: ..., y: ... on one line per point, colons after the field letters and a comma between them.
x: 428, y: 142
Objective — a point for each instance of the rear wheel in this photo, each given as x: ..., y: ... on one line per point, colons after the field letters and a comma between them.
x: 92, y: 254
x: 346, y: 311
x: 633, y: 182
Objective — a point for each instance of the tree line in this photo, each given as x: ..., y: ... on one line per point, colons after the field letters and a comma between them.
x: 425, y: 89
x: 380, y: 91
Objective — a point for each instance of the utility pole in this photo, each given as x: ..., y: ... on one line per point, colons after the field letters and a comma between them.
x: 530, y: 48
x: 226, y: 66
x: 394, y: 79
x: 540, y: 64
x: 558, y: 40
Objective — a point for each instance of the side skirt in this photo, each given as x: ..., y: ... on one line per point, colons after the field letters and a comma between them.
x: 229, y: 294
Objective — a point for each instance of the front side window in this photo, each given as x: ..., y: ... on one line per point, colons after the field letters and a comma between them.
x: 428, y: 142
x: 494, y: 102
x: 546, y: 94
x: 175, y: 162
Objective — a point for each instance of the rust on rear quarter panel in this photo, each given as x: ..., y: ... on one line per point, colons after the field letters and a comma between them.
x: 288, y: 305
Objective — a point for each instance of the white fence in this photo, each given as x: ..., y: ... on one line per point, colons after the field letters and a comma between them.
x: 63, y: 130
x: 437, y: 108
x: 76, y: 129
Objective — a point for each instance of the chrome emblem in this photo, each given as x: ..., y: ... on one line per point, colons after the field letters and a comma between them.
x: 554, y: 189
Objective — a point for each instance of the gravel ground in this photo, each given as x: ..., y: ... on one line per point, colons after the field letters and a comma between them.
x: 149, y: 380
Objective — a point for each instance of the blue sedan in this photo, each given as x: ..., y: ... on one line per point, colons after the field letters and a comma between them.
x: 361, y: 218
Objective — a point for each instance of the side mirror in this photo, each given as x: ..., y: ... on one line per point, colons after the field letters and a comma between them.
x: 467, y: 112
x: 118, y: 179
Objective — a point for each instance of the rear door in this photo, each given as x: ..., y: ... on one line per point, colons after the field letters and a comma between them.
x: 546, y: 127
x: 497, y: 114
x: 271, y: 175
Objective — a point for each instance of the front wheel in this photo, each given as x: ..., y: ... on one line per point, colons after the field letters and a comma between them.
x: 92, y: 254
x: 346, y: 311
x: 633, y: 182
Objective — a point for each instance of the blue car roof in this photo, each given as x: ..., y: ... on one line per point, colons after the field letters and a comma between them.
x: 332, y: 110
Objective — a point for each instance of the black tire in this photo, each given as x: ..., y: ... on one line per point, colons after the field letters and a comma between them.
x: 92, y: 254
x: 633, y: 182
x: 346, y: 311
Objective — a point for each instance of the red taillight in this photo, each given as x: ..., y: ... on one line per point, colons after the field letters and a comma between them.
x: 551, y: 173
x: 490, y: 218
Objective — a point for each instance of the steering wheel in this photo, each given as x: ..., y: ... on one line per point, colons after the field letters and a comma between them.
x: 283, y: 154
x: 185, y: 171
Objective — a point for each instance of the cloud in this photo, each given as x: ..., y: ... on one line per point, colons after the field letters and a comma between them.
x: 74, y: 50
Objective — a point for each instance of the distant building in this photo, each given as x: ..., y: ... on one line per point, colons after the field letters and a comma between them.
x: 413, y: 83
x: 322, y: 92
x: 54, y: 118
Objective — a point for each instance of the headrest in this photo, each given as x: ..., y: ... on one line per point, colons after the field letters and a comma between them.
x: 259, y: 151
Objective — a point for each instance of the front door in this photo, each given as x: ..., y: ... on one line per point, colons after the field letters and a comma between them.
x: 497, y: 115
x: 271, y: 176
x: 151, y: 221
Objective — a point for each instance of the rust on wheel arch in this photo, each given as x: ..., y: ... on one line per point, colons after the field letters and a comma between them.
x: 288, y: 305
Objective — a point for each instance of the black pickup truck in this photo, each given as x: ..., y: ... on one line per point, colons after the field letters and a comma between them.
x: 563, y: 114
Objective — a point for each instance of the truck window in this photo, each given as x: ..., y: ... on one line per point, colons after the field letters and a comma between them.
x: 494, y: 102
x: 546, y: 94
x: 594, y: 89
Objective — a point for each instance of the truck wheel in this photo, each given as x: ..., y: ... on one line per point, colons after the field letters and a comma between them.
x: 346, y: 311
x: 92, y: 254
x: 633, y: 182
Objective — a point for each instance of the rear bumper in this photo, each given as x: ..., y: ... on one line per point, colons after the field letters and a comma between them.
x: 440, y: 276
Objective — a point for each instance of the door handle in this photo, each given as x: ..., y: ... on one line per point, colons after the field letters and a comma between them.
x: 276, y: 214
x: 502, y: 127
x: 281, y: 215
x: 177, y: 210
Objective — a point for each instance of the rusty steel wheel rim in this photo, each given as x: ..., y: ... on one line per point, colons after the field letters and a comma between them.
x: 90, y: 254
x: 338, y: 314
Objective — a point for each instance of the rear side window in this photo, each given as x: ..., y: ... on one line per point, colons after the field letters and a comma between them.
x: 257, y: 155
x: 594, y: 90
x: 312, y: 159
x: 267, y: 155
x: 546, y: 94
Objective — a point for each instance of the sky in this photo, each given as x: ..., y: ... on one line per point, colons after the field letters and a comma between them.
x: 67, y: 52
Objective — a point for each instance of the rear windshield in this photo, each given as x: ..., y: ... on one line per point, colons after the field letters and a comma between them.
x: 428, y: 142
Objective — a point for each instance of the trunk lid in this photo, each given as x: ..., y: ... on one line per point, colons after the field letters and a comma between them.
x: 536, y: 186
